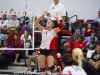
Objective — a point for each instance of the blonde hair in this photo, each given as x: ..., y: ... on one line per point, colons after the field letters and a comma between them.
x: 78, y: 54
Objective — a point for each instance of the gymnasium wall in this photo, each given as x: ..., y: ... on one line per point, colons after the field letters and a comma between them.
x: 85, y: 9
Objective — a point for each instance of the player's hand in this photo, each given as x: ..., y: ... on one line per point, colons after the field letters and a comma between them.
x: 44, y: 13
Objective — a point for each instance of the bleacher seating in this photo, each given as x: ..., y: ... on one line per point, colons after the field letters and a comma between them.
x: 80, y: 20
x: 17, y: 67
x: 88, y: 21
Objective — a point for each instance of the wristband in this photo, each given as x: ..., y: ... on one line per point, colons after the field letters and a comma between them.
x: 60, y: 25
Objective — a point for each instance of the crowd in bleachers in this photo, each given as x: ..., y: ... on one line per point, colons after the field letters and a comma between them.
x: 86, y: 36
x: 18, y: 30
x: 14, y: 33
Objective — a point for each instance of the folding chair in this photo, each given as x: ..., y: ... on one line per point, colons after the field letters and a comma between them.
x: 80, y: 20
x: 89, y: 20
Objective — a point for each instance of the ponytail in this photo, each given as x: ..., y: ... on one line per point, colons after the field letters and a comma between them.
x: 80, y: 60
x: 78, y: 56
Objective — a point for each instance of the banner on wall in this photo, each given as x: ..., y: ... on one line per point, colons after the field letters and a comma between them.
x: 15, y: 13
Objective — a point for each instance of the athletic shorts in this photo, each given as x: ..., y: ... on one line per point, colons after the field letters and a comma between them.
x: 47, y: 52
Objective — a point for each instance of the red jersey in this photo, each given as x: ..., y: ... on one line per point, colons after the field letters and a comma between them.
x: 78, y: 45
x: 11, y: 37
x: 19, y: 35
x: 88, y: 33
x: 16, y: 44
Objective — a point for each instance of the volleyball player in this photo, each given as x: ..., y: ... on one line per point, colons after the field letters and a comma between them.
x: 79, y: 59
x: 46, y: 47
x: 69, y: 68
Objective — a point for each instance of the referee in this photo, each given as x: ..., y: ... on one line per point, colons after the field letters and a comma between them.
x: 59, y: 8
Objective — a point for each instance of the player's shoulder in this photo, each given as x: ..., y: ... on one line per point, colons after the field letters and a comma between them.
x: 67, y: 67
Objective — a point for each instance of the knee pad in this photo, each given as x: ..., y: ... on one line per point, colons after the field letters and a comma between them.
x: 52, y: 67
x: 42, y: 69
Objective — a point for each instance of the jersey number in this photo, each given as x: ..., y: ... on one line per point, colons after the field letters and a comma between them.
x: 76, y: 68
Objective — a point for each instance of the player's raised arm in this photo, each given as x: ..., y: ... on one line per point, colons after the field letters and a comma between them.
x: 60, y: 26
x: 38, y: 20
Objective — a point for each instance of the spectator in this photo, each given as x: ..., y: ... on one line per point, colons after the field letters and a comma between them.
x: 17, y: 55
x: 3, y: 22
x: 97, y: 20
x: 42, y: 22
x: 16, y: 43
x: 1, y: 35
x: 88, y: 31
x: 54, y: 8
x: 79, y: 59
x: 78, y: 33
x: 79, y: 43
x: 10, y: 16
x: 5, y: 45
x: 5, y: 54
x: 13, y: 23
x: 89, y: 37
x: 91, y: 47
x: 16, y: 32
x: 11, y: 10
x: 32, y: 58
x: 6, y: 39
x: 26, y: 37
x: 69, y: 68
x: 95, y: 59
x: 10, y: 34
x: 25, y: 21
x: 81, y: 28
x: 66, y: 23
x: 58, y: 8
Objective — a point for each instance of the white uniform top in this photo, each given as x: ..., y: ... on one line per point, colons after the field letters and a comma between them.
x: 74, y: 70
x: 27, y: 45
x: 23, y: 38
x: 5, y: 22
x: 47, y: 36
x: 13, y: 22
x: 59, y: 8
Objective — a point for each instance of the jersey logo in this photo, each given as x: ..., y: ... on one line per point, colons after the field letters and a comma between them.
x: 52, y: 7
x: 69, y: 73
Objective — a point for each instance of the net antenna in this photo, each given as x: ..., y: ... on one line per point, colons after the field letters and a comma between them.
x: 20, y: 14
